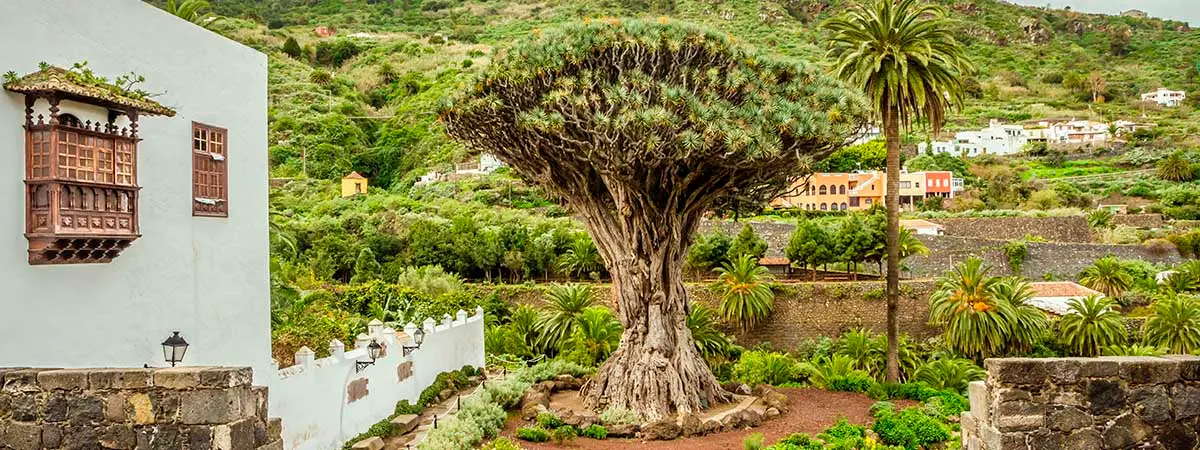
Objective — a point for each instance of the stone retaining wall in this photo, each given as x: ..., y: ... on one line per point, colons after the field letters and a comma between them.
x: 189, y: 408
x: 802, y: 311
x: 1085, y: 403
x: 1139, y: 220
x: 1054, y: 229
x: 1063, y: 261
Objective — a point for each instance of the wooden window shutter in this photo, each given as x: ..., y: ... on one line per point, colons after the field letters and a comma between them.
x: 210, y: 171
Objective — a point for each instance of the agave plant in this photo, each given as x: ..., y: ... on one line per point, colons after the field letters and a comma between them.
x: 975, y: 322
x: 821, y: 371
x: 949, y: 374
x: 1133, y: 350
x: 706, y: 333
x: 564, y: 305
x: 1100, y: 218
x: 1107, y: 275
x: 1092, y: 325
x: 1175, y: 324
x: 746, y: 298
x: 597, y: 334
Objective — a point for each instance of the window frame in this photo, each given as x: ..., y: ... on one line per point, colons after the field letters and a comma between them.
x: 224, y: 182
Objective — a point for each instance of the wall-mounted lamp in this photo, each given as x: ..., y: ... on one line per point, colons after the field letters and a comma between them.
x: 174, y: 348
x: 374, y: 350
x: 419, y: 338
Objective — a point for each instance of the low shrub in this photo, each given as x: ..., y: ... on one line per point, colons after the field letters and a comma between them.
x: 594, y: 431
x: 532, y: 434
x: 952, y: 403
x: 910, y: 428
x: 759, y: 367
x: 404, y: 407
x: 854, y: 382
x: 550, y: 369
x: 501, y: 444
x: 753, y: 442
x: 478, y: 419
x: 564, y: 434
x: 549, y: 420
x: 616, y: 415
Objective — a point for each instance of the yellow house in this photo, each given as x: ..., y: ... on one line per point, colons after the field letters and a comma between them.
x: 354, y: 184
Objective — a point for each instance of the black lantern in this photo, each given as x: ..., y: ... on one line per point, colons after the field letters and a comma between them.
x: 174, y: 348
x: 418, y: 338
x: 374, y: 351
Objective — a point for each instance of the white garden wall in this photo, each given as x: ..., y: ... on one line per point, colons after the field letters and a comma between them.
x: 325, y: 402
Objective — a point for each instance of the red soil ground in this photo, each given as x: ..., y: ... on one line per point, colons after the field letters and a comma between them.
x: 809, y: 411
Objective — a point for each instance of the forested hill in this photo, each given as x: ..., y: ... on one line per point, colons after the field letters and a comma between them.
x: 364, y: 98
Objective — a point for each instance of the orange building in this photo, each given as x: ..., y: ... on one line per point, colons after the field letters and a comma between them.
x: 860, y: 190
x: 834, y: 192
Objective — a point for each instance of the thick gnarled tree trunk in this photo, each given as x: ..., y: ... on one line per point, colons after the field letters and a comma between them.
x: 656, y: 371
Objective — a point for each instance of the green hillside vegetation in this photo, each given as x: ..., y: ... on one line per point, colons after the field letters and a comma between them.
x: 365, y: 99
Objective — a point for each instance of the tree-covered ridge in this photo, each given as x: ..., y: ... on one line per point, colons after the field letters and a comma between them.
x: 366, y: 102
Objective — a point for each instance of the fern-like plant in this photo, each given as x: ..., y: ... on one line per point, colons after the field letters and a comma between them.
x: 1107, y: 275
x: 564, y: 305
x: 949, y: 374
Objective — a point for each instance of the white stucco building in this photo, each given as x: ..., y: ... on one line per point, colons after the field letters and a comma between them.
x: 995, y: 139
x: 127, y: 240
x: 1165, y: 97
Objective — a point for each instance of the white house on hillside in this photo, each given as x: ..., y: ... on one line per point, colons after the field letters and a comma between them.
x: 125, y: 219
x: 995, y: 139
x: 1165, y: 97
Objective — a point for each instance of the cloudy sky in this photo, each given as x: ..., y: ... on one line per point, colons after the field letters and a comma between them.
x: 1187, y: 10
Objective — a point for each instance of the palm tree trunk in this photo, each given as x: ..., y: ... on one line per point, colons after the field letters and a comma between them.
x: 891, y: 127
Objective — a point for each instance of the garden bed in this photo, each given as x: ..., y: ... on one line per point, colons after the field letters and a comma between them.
x: 809, y: 410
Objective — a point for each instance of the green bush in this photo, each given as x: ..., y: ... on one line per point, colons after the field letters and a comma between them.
x: 532, y: 434
x: 910, y: 428
x: 480, y: 418
x: 501, y: 444
x: 753, y: 442
x: 759, y: 367
x: 563, y: 434
x: 594, y: 431
x: 549, y: 420
x: 854, y: 382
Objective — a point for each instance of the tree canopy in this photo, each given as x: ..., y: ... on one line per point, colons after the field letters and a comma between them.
x: 643, y: 126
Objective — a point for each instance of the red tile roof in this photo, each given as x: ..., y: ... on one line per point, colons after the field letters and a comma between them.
x: 1060, y: 289
x: 774, y: 261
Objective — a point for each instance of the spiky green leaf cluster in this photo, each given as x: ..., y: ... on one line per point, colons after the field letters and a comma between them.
x: 650, y: 103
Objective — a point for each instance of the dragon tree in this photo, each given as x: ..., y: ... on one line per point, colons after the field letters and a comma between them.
x: 642, y: 127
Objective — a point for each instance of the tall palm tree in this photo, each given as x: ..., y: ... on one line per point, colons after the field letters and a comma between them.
x: 581, y: 258
x: 1175, y: 324
x: 903, y: 55
x: 746, y: 298
x: 1107, y: 275
x: 1092, y: 325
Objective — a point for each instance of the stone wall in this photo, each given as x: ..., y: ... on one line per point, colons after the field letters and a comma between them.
x: 1062, y: 260
x: 1139, y: 220
x: 1054, y: 229
x: 802, y: 311
x: 1085, y: 403
x: 189, y: 408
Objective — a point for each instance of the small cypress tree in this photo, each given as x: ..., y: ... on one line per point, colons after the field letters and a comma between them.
x: 292, y: 48
x: 747, y: 242
x: 365, y: 267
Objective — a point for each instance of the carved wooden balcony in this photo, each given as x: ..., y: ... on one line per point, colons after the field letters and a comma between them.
x: 80, y: 177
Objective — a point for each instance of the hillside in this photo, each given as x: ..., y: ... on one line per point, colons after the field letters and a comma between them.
x: 364, y: 98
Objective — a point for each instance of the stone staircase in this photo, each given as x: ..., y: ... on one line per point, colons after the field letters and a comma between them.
x: 411, y: 430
